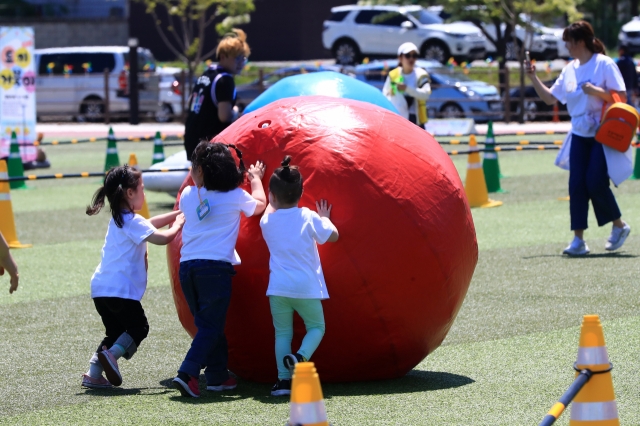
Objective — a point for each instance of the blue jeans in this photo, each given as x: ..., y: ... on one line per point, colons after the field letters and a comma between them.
x: 206, y: 285
x: 589, y: 180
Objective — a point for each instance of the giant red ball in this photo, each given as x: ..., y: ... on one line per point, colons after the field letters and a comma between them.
x: 407, y: 249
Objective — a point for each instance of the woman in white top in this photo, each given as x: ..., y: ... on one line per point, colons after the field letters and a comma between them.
x: 407, y: 86
x: 585, y: 84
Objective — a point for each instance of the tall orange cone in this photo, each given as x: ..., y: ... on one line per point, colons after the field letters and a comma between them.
x: 475, y: 185
x: 595, y: 404
x: 307, y: 403
x: 7, y: 221
x: 144, y: 211
x: 556, y: 113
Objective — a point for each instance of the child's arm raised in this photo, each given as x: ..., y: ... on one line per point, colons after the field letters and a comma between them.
x: 255, y: 174
x: 162, y: 238
x: 7, y: 262
x: 325, y: 212
x: 164, y: 219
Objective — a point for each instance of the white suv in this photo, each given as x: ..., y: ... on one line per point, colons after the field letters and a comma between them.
x: 629, y: 36
x: 353, y: 32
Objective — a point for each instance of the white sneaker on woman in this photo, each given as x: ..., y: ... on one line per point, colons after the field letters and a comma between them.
x: 577, y: 248
x: 617, y: 237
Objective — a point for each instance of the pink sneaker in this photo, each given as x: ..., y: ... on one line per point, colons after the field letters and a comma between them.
x: 110, y: 365
x: 231, y: 383
x: 189, y: 388
x: 99, y: 383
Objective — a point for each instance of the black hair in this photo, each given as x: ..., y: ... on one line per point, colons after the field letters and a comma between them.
x: 286, y: 182
x: 219, y: 169
x: 116, y: 183
x: 582, y: 30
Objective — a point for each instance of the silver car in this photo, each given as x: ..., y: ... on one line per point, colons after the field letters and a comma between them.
x: 71, y: 82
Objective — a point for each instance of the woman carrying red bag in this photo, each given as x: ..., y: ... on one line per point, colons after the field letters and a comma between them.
x: 584, y: 85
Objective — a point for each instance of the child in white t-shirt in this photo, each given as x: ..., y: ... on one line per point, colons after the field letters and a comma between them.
x: 296, y: 281
x: 212, y: 209
x: 120, y: 279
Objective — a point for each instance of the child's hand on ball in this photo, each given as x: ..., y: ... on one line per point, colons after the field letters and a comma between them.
x: 256, y: 170
x: 323, y: 210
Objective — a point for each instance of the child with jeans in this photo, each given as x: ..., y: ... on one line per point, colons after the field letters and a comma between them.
x: 296, y: 282
x: 212, y: 210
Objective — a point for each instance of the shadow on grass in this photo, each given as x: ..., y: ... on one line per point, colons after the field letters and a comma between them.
x: 614, y: 255
x: 116, y: 391
x: 414, y: 381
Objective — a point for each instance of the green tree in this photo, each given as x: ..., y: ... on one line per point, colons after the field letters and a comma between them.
x: 187, y: 23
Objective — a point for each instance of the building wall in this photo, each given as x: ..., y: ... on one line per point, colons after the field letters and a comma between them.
x: 279, y: 30
x: 76, y: 33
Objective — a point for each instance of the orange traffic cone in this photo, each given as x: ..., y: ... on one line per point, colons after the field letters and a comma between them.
x: 595, y: 404
x: 556, y: 113
x: 7, y: 221
x: 144, y: 211
x: 307, y: 403
x: 475, y: 185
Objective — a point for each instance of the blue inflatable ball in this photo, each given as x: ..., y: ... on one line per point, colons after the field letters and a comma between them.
x: 324, y: 83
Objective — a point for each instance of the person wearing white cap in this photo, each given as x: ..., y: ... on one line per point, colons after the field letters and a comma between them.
x: 407, y: 86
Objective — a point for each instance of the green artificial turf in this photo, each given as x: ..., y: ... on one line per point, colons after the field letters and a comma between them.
x: 506, y: 360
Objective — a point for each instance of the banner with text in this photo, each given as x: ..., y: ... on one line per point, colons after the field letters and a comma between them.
x: 17, y: 90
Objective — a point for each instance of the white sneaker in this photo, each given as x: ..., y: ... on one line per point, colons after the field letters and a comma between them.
x: 577, y: 248
x: 617, y: 237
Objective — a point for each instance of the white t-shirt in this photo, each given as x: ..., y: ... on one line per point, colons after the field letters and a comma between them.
x: 585, y: 110
x: 213, y: 236
x: 294, y: 263
x: 122, y: 272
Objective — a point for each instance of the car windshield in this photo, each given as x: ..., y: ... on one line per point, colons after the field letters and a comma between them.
x: 425, y: 17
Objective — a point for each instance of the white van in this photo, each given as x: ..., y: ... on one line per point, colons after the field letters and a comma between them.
x: 71, y: 82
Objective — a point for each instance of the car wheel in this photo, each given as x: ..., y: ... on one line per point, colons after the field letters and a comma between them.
x: 530, y: 110
x: 165, y: 114
x: 451, y: 110
x: 436, y: 50
x: 91, y: 110
x: 346, y: 52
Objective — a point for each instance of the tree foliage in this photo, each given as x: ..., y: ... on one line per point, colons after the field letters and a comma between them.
x: 188, y: 23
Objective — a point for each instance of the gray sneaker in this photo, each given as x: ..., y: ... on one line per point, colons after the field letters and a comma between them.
x: 617, y: 237
x: 577, y: 248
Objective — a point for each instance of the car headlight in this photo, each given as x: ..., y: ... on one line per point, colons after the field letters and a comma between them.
x: 622, y: 35
x: 455, y: 35
x: 468, y: 93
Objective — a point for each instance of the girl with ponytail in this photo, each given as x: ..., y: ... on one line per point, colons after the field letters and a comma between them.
x: 120, y: 280
x: 585, y: 86
x: 212, y: 208
x: 296, y: 281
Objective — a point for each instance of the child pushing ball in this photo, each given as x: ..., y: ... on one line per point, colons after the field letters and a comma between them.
x: 120, y: 280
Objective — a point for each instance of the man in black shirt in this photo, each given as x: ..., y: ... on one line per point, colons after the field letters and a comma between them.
x: 211, y: 104
x: 627, y: 67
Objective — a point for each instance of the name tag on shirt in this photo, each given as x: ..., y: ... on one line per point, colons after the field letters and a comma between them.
x: 203, y: 209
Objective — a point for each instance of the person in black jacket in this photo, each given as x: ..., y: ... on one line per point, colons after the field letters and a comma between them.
x: 627, y: 67
x: 211, y: 104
